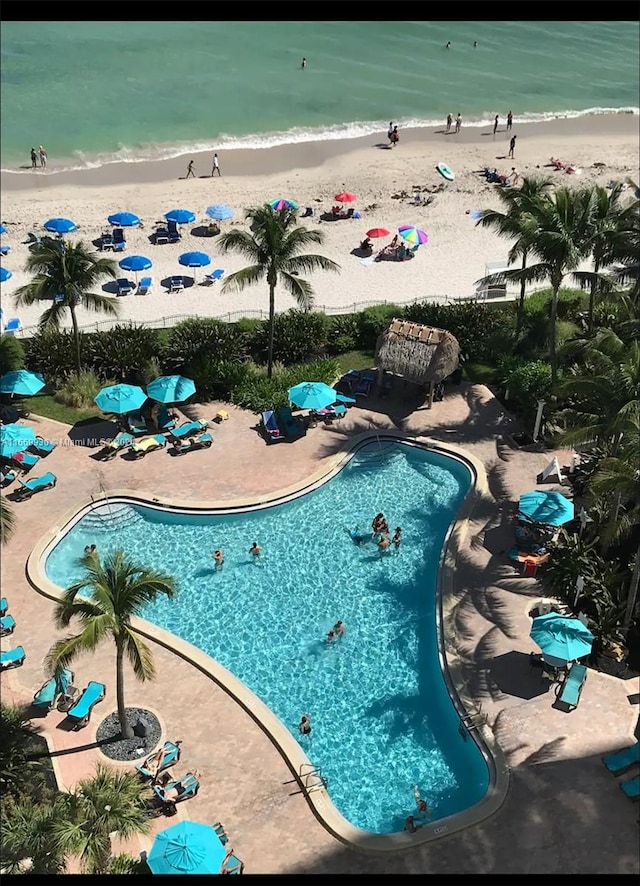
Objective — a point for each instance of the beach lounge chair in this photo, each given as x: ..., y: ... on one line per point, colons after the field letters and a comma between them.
x: 632, y: 788
x: 119, y: 241
x: 270, y: 427
x: 569, y: 691
x: 13, y: 325
x: 329, y: 413
x: 7, y: 476
x: 4, y: 605
x: 7, y: 625
x: 214, y: 276
x: 80, y: 712
x: 148, y: 768
x: 166, y: 419
x: 232, y: 865
x: 173, y: 232
x: 161, y: 235
x: 124, y: 286
x: 35, y: 484
x: 136, y: 423
x: 147, y: 444
x: 44, y: 447
x: 221, y: 834
x: 176, y: 283
x: 363, y: 388
x: 622, y: 760
x: 289, y: 426
x: 25, y: 460
x: 110, y: 448
x: 12, y: 658
x: 177, y: 790
x: 33, y: 239
x: 188, y: 428
x: 190, y: 444
x: 144, y: 286
x: 106, y: 241
x: 46, y: 697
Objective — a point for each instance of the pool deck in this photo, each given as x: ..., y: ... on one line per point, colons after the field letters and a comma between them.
x: 563, y: 811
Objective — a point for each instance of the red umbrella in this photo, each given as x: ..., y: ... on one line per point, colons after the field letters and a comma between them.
x: 378, y: 232
x: 345, y: 197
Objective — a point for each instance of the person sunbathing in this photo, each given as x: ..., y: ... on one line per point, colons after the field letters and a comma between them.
x: 557, y: 164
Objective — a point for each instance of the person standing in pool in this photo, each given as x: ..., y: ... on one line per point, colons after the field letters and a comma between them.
x: 255, y: 550
x: 218, y: 558
x: 305, y: 725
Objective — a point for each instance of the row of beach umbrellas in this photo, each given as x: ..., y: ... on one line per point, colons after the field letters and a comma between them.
x: 122, y: 398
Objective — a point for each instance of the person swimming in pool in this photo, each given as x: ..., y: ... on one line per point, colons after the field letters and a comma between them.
x: 358, y: 536
x: 397, y: 537
x: 336, y: 631
x: 255, y: 550
x: 421, y: 805
x: 305, y: 725
x: 218, y: 558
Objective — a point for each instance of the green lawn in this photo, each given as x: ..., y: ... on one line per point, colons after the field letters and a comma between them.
x: 47, y: 407
x: 479, y: 373
x: 355, y: 360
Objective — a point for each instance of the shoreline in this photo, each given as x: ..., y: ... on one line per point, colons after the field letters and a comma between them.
x: 305, y: 155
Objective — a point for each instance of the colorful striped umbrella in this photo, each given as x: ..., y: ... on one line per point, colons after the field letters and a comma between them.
x: 345, y: 197
x: 281, y: 203
x: 412, y: 234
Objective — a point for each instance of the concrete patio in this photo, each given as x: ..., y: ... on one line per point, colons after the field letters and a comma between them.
x: 564, y: 813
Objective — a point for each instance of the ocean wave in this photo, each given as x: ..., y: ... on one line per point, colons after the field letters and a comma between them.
x: 298, y: 135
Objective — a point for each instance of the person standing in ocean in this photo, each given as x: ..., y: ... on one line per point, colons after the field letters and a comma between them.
x: 303, y: 64
x: 458, y: 122
x: 34, y: 158
x: 43, y: 157
x: 509, y: 121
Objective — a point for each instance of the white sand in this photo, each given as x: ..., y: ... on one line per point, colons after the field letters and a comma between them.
x: 446, y: 267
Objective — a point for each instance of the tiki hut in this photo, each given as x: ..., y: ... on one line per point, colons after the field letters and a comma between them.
x: 421, y: 354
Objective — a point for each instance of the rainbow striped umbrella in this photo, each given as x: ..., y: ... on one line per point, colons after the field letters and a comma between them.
x: 282, y: 203
x: 412, y: 234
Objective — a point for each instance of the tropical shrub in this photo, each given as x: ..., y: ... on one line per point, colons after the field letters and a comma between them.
x: 122, y: 351
x: 480, y: 329
x: 342, y: 333
x: 207, y: 339
x: 571, y: 303
x: 52, y: 352
x: 372, y: 322
x: 12, y: 354
x: 80, y: 389
x: 529, y: 383
x: 252, y: 330
x: 258, y: 392
x: 297, y: 336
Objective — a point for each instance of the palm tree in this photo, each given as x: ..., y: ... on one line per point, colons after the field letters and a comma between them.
x: 7, y: 520
x: 110, y: 802
x: 64, y: 275
x: 28, y: 840
x: 518, y: 223
x: 113, y: 593
x: 272, y: 247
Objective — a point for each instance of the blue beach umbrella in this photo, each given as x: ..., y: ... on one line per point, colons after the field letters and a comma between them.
x: 15, y: 438
x: 342, y: 398
x: 60, y: 226
x: 171, y: 389
x: 120, y: 398
x: 550, y: 508
x: 180, y: 216
x: 560, y: 638
x: 3, y: 230
x: 5, y: 274
x: 187, y: 848
x: 124, y: 220
x: 135, y: 263
x: 194, y: 259
x: 219, y: 211
x: 312, y: 395
x: 21, y: 382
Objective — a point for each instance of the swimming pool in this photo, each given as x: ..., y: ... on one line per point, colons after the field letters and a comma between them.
x: 382, y: 718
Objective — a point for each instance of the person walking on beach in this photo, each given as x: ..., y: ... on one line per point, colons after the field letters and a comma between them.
x: 34, y: 158
x: 495, y: 124
x: 190, y: 171
x: 449, y: 122
x: 43, y: 157
x: 509, y: 121
x: 512, y: 145
x: 216, y: 166
x: 458, y: 121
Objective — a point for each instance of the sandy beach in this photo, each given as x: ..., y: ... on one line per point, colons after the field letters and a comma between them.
x: 604, y: 148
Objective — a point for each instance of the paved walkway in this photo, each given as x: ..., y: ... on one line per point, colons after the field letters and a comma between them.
x: 563, y: 813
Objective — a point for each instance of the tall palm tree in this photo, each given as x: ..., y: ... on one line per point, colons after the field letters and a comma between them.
x: 7, y: 520
x: 105, y: 600
x: 28, y: 839
x: 273, y: 248
x: 517, y: 222
x: 64, y: 275
x: 626, y: 254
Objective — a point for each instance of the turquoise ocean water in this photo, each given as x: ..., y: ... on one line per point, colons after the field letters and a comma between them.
x: 97, y: 92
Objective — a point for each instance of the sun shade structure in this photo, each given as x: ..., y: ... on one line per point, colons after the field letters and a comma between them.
x: 194, y: 259
x: 124, y: 220
x: 120, y: 398
x: 345, y: 197
x: 378, y: 232
x: 60, y: 226
x: 171, y: 389
x: 15, y: 438
x: 550, y: 508
x: 421, y: 354
x: 312, y: 395
x: 21, y: 382
x: 561, y: 638
x: 187, y: 848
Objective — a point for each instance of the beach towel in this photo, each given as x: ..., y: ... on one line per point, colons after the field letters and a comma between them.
x: 369, y: 260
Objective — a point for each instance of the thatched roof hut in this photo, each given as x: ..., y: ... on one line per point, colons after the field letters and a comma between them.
x: 421, y: 354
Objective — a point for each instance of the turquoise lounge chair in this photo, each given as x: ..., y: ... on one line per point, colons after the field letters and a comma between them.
x: 8, y: 476
x: 623, y: 759
x: 12, y: 658
x: 80, y: 713
x: 570, y: 689
x: 44, y: 447
x: 147, y: 444
x: 110, y: 448
x: 171, y: 755
x: 186, y: 787
x: 45, y: 697
x: 180, y: 447
x: 270, y: 427
x: 221, y: 834
x: 189, y: 427
x: 287, y: 423
x: 136, y: 423
x: 632, y: 788
x: 25, y: 460
x: 166, y: 419
x: 7, y: 624
x: 233, y: 865
x: 3, y: 606
x: 36, y: 484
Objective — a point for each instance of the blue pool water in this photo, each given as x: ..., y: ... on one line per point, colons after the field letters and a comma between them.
x: 381, y: 716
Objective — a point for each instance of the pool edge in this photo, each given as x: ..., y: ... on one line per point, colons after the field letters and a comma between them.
x: 295, y: 758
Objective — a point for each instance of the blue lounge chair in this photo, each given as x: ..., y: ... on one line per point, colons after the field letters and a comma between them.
x: 176, y: 283
x: 270, y: 427
x: 136, y: 423
x: 171, y: 754
x: 330, y: 412
x: 569, y: 691
x: 221, y: 834
x: 25, y: 460
x: 5, y: 250
x: 188, y: 428
x: 3, y: 606
x: 232, y: 865
x: 50, y: 691
x: 12, y: 658
x: 110, y: 448
x: 106, y: 241
x: 13, y: 325
x: 7, y: 624
x: 180, y: 447
x: 166, y: 419
x: 177, y: 790
x: 44, y: 447
x: 36, y: 484
x: 125, y: 287
x: 119, y: 242
x: 80, y: 713
x: 287, y: 423
x: 144, y: 285
x: 173, y: 231
x: 161, y: 235
x: 632, y: 788
x: 147, y: 444
x: 214, y: 276
x: 622, y: 760
x: 363, y: 388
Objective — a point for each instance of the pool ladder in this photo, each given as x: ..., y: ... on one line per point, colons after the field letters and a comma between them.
x: 474, y: 720
x: 313, y: 780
